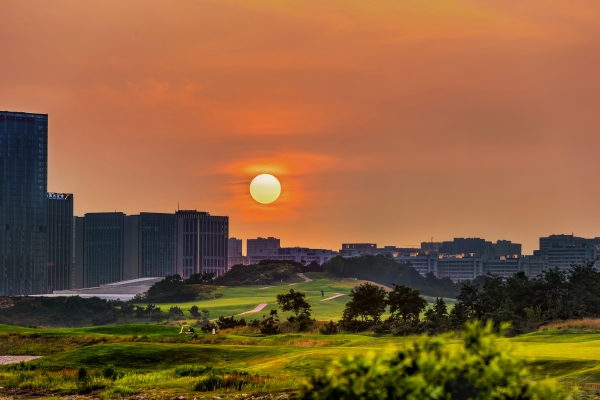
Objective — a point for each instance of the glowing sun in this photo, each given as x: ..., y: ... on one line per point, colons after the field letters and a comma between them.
x: 265, y: 188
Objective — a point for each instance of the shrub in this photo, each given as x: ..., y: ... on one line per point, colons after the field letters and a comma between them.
x: 82, y: 373
x: 230, y: 322
x: 330, y: 328
x: 110, y: 372
x: 209, y: 383
x: 480, y: 368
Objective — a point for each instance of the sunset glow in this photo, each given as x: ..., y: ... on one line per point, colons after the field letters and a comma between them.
x: 387, y: 122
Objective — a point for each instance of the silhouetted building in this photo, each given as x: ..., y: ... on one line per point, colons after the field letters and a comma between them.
x: 59, y: 247
x: 23, y: 204
x: 202, y: 243
x: 357, y: 249
x: 157, y: 245
x: 256, y: 246
x: 506, y: 248
x: 103, y: 257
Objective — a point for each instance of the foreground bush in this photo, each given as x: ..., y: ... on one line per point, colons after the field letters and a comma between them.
x: 481, y: 367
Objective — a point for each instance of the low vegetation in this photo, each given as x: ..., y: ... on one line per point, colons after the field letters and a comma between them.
x: 258, y: 274
x: 386, y: 271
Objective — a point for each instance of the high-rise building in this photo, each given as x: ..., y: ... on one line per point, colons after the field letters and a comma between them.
x: 103, y: 248
x: 258, y: 245
x: 59, y: 247
x: 235, y: 247
x: 202, y: 243
x: 157, y: 245
x: 24, y: 171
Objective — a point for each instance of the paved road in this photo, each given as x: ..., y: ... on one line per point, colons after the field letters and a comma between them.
x: 306, y: 278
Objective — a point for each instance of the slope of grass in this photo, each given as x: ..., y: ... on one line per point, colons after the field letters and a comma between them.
x: 236, y: 300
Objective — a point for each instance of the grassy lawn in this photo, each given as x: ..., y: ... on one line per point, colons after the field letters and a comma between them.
x: 236, y: 300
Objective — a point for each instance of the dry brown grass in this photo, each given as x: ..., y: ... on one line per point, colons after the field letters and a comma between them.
x: 575, y: 324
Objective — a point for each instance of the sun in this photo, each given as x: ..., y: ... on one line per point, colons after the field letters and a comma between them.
x: 265, y: 188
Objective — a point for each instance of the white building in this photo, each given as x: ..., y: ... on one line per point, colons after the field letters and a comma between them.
x: 256, y: 246
x: 459, y: 267
x: 422, y: 262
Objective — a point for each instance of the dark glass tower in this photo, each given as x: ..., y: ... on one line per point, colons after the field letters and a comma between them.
x: 158, y: 235
x: 23, y: 171
x: 202, y: 243
x: 103, y: 248
x: 59, y: 247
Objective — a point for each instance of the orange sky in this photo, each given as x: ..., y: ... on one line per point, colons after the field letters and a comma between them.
x: 389, y: 122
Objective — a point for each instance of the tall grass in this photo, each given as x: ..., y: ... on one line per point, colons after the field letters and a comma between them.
x: 573, y: 324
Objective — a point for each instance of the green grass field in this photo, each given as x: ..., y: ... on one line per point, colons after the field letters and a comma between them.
x: 157, y: 362
x: 237, y: 300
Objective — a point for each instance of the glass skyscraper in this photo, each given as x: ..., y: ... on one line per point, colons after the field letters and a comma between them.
x: 24, y: 171
x: 59, y: 248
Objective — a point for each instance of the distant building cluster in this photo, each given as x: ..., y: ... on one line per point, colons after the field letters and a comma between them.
x: 44, y: 248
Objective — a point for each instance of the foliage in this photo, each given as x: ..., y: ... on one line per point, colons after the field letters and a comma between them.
x: 405, y: 303
x: 63, y: 311
x: 530, y: 302
x: 200, y: 279
x: 386, y: 271
x: 175, y: 313
x: 365, y: 308
x: 481, y: 368
x: 329, y: 328
x: 270, y: 325
x: 257, y: 274
x: 174, y: 289
x: 294, y: 302
x: 230, y: 322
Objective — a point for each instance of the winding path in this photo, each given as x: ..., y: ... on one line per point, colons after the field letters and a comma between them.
x: 334, y: 297
x: 258, y: 308
x: 306, y: 278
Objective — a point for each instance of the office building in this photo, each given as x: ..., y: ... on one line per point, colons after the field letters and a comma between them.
x: 424, y: 263
x: 157, y: 244
x: 459, y: 268
x: 502, y: 266
x: 302, y: 255
x: 506, y: 248
x: 59, y: 244
x: 23, y: 204
x: 256, y: 246
x: 235, y: 247
x: 202, y: 243
x: 358, y: 249
x: 103, y: 248
x: 534, y: 265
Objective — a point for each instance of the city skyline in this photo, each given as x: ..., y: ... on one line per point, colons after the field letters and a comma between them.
x: 380, y: 130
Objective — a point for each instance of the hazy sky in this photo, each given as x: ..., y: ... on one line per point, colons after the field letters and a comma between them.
x: 386, y: 121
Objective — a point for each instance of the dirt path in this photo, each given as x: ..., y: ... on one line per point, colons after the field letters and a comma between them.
x: 15, y: 359
x: 306, y: 278
x: 258, y: 308
x: 334, y: 297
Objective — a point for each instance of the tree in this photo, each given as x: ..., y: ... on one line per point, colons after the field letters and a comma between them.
x: 175, y: 313
x: 335, y: 266
x: 194, y: 312
x: 405, y: 303
x: 294, y: 302
x: 270, y: 325
x: 481, y: 368
x: 200, y: 279
x: 365, y: 307
x: 436, y: 318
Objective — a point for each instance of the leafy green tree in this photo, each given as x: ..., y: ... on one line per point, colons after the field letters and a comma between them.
x: 405, y: 303
x: 175, y: 313
x: 365, y: 308
x: 437, y: 319
x: 270, y: 325
x: 481, y: 368
x: 335, y: 266
x: 295, y: 302
x: 194, y: 311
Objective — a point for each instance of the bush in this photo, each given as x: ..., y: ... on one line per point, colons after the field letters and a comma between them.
x: 261, y: 274
x: 480, y: 368
x: 330, y: 328
x: 230, y: 322
x: 110, y: 372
